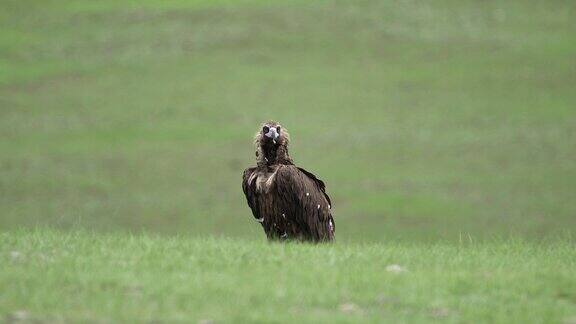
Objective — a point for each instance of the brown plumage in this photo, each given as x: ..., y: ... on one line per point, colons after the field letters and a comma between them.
x: 288, y: 201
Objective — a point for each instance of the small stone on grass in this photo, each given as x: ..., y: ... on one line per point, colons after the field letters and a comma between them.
x: 394, y: 268
x: 348, y: 308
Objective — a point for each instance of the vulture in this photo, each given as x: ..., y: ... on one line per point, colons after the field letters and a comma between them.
x: 289, y: 202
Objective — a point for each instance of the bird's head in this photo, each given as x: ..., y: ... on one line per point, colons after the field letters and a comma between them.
x: 271, y: 142
x: 272, y: 134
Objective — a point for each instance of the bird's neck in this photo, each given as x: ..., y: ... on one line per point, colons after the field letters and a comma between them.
x: 273, y: 155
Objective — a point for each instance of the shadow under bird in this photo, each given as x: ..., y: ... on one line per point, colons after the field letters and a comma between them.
x: 289, y: 202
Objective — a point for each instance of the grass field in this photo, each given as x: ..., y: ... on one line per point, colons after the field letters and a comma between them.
x: 445, y: 131
x: 49, y: 276
x: 428, y: 121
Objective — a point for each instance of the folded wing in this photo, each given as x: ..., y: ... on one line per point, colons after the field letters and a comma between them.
x: 304, y: 198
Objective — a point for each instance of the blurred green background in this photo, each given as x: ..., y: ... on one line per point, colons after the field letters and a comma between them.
x: 429, y: 120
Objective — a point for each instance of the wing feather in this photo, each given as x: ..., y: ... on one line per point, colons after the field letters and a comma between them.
x: 319, y: 183
x: 249, y: 188
x: 304, y: 197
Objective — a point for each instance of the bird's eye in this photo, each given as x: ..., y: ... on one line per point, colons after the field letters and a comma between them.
x: 278, y: 129
x: 265, y: 129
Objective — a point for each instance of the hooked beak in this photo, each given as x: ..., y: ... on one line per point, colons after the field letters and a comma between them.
x: 273, y: 134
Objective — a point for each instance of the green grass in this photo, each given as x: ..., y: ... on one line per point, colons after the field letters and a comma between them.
x: 443, y: 129
x: 52, y: 276
x: 428, y: 121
